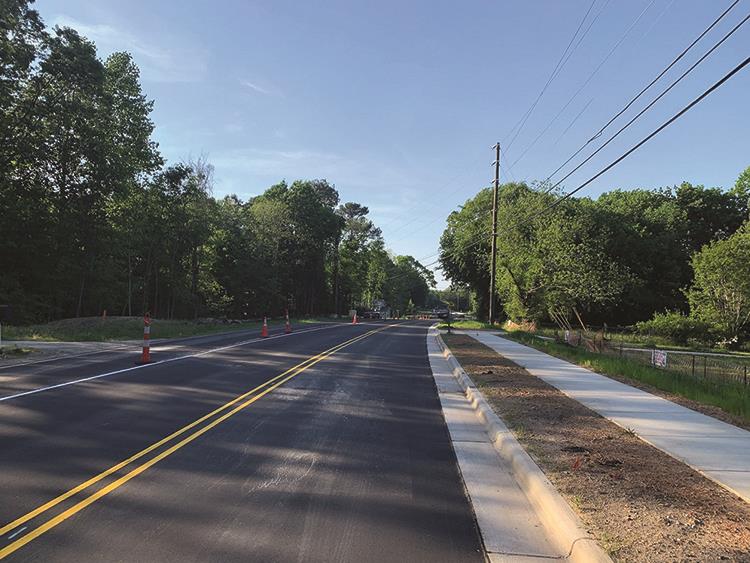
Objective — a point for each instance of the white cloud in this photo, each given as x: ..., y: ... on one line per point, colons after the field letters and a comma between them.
x: 156, y: 62
x: 250, y: 170
x: 255, y: 87
x: 280, y: 164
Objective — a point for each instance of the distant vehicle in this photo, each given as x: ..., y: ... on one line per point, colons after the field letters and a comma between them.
x: 442, y: 313
x: 370, y: 315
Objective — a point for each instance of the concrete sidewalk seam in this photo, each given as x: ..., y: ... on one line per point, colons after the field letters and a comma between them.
x: 562, y: 524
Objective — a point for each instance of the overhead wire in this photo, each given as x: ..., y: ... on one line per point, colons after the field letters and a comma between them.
x: 651, y: 104
x: 590, y: 77
x: 622, y: 157
x: 558, y: 67
x: 575, y: 120
x: 508, y: 167
x: 647, y: 87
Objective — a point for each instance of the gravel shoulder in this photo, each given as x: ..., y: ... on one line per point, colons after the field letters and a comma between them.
x: 641, y: 504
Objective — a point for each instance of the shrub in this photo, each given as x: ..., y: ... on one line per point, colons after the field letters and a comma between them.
x: 675, y: 326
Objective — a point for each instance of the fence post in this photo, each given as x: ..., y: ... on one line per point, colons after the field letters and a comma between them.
x: 705, y: 360
x: 744, y: 377
x: 693, y: 356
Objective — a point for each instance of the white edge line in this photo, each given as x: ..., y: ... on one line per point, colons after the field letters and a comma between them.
x: 93, y: 377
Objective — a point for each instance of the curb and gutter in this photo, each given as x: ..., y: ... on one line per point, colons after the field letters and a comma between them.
x: 564, y: 529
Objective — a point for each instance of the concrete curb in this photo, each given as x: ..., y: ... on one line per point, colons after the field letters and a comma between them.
x: 563, y: 526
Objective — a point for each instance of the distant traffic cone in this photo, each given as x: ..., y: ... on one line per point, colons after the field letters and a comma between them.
x: 146, y: 353
x: 288, y: 325
x: 354, y: 318
x: 264, y: 330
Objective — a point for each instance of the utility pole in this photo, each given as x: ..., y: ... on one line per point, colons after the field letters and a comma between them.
x: 493, y: 257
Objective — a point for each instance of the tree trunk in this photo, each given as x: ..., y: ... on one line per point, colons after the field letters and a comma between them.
x: 194, y: 280
x: 336, y: 282
x: 80, y: 295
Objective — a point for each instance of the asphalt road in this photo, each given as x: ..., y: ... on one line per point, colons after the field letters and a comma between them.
x: 339, y: 456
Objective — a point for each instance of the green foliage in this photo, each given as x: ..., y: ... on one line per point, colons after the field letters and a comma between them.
x: 465, y: 248
x: 93, y: 219
x: 720, y: 294
x: 617, y: 259
x: 97, y: 329
x: 551, y: 268
x: 742, y: 187
x: 675, y: 326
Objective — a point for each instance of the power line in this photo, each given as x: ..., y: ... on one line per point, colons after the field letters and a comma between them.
x: 646, y: 88
x: 647, y: 138
x: 441, y: 189
x: 558, y: 68
x: 651, y: 104
x: 591, y: 76
x: 575, y: 119
x: 656, y: 131
x: 555, y: 72
x: 622, y: 157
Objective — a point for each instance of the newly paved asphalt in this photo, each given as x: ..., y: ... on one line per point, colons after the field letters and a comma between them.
x: 349, y: 460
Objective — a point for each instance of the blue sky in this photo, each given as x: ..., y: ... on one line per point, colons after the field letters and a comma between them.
x: 398, y: 102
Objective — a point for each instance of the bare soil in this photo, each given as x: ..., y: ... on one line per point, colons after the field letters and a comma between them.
x: 641, y: 504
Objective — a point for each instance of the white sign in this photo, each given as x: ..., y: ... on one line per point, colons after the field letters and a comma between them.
x: 659, y: 358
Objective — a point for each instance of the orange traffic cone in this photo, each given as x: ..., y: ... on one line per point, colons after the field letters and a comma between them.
x: 288, y: 325
x: 354, y: 319
x: 264, y: 330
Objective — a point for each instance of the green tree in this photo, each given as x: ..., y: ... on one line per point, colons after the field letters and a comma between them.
x: 742, y: 188
x: 352, y: 257
x: 720, y: 294
x: 465, y: 248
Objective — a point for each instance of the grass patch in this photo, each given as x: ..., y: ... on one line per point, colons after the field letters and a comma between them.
x: 126, y: 328
x: 13, y: 351
x: 730, y: 397
x: 468, y: 325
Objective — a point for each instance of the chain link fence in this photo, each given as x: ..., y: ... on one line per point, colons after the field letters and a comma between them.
x: 718, y: 369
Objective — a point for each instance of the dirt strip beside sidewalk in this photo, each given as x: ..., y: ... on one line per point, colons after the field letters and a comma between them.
x: 641, y: 504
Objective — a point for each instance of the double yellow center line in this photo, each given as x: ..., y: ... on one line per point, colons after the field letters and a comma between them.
x: 232, y: 407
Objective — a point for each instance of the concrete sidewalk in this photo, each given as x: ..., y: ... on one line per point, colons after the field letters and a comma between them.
x: 716, y: 449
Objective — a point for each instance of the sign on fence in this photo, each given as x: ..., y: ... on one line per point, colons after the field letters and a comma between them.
x: 659, y: 358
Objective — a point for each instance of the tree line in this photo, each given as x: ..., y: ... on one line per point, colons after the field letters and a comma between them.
x: 679, y: 256
x: 94, y: 219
